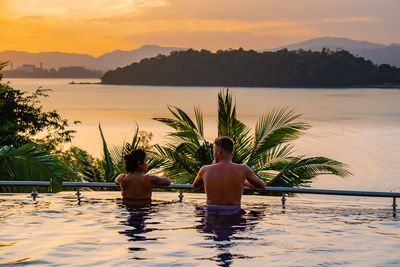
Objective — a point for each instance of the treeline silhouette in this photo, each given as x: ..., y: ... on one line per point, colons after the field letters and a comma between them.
x: 240, y: 67
x: 61, y: 72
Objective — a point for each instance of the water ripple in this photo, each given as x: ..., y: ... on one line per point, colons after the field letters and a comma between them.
x: 59, y: 231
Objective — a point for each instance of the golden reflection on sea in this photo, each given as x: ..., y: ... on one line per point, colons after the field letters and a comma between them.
x: 360, y: 127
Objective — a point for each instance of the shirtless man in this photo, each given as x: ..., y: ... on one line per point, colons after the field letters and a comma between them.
x: 223, y: 181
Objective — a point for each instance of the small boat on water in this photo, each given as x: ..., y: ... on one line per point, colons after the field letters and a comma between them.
x: 72, y: 82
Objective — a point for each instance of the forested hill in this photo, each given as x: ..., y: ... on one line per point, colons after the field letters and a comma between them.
x: 282, y: 68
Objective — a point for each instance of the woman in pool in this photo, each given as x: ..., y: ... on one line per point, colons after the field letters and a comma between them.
x: 136, y: 188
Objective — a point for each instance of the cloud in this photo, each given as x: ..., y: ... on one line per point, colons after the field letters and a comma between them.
x: 98, y: 26
x: 219, y: 39
x: 78, y: 8
x: 351, y: 19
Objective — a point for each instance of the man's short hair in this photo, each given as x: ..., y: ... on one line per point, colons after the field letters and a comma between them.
x: 225, y: 143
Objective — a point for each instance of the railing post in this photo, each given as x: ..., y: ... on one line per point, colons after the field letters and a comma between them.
x: 283, y: 200
x: 34, y: 193
x: 394, y: 205
x: 180, y: 195
x: 78, y: 194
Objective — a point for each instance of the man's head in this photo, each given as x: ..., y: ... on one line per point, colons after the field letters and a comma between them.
x: 223, y: 147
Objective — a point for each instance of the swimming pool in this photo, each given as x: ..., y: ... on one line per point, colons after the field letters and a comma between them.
x: 101, y: 232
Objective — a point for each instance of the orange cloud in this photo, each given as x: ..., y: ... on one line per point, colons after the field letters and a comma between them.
x: 99, y: 26
x: 351, y: 19
x: 97, y: 36
x: 36, y: 34
x: 78, y: 8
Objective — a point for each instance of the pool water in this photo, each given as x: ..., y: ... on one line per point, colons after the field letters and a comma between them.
x: 100, y: 231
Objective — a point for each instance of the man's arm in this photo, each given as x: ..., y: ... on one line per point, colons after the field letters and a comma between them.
x: 252, y: 179
x: 198, y: 182
x: 249, y: 185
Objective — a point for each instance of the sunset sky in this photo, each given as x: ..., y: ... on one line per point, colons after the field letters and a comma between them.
x: 98, y: 26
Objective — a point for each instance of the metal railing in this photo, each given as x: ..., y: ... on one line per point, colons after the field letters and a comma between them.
x: 282, y: 190
x: 34, y: 184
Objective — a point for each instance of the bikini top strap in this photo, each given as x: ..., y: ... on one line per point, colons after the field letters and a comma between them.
x: 144, y: 186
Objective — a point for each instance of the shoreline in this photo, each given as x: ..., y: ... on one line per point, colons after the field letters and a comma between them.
x: 369, y: 86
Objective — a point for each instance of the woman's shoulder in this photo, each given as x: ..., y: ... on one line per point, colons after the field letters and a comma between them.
x: 119, y: 178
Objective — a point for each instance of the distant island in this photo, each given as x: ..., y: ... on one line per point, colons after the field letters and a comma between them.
x: 282, y: 68
x: 31, y: 71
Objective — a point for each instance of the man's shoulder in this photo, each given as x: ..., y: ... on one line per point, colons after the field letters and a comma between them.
x: 205, y: 167
x: 243, y: 166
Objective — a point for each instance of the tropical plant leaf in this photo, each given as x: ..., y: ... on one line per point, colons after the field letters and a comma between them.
x: 185, y: 129
x: 229, y: 125
x: 297, y: 171
x: 268, y: 152
x: 108, y: 164
x: 275, y: 128
x: 30, y: 162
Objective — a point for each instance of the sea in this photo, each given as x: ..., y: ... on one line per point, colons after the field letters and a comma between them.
x: 360, y: 127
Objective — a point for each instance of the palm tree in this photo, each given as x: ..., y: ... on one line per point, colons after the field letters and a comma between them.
x: 268, y: 151
x: 29, y: 162
x: 86, y: 168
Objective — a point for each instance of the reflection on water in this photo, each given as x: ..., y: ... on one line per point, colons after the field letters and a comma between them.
x: 103, y: 232
x: 136, y: 219
x: 222, y: 230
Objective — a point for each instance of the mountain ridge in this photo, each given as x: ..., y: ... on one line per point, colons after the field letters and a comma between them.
x: 107, y: 61
x: 377, y: 53
x: 340, y: 42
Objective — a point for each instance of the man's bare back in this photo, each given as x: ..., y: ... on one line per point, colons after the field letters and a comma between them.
x: 224, y: 180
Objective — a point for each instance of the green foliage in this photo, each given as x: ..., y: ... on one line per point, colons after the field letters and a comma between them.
x: 80, y: 165
x: 23, y: 119
x: 23, y: 154
x: 85, y: 168
x: 268, y: 151
x: 30, y: 162
x: 282, y: 68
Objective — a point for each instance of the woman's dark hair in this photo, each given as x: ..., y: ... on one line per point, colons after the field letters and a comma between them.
x: 132, y: 159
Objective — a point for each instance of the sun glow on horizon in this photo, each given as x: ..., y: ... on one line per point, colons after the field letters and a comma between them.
x: 97, y: 27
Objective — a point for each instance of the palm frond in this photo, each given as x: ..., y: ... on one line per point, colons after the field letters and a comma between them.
x: 117, y: 157
x: 107, y: 162
x: 182, y: 162
x: 268, y: 152
x: 199, y: 121
x: 297, y: 171
x: 275, y: 128
x: 155, y: 161
x: 30, y: 162
x: 134, y: 143
x: 271, y: 156
x: 226, y: 113
x: 229, y: 125
x: 85, y: 167
x: 185, y: 129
